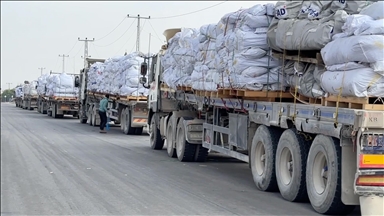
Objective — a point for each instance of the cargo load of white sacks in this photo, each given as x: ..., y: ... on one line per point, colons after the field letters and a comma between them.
x: 58, y: 85
x: 236, y: 52
x: 231, y: 54
x: 19, y: 92
x: 30, y: 89
x: 118, y: 76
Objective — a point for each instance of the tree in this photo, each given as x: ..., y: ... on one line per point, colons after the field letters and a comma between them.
x: 7, y: 95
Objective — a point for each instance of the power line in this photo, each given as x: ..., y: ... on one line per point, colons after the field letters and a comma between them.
x: 190, y: 12
x: 155, y: 31
x: 117, y: 38
x: 113, y: 29
x: 72, y: 48
x: 142, y: 28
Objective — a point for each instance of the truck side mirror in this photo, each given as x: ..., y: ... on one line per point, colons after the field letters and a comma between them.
x: 77, y: 81
x: 143, y: 68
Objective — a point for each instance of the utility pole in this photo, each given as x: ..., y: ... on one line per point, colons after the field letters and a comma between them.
x: 9, y: 86
x: 41, y: 70
x: 64, y: 56
x: 138, y: 17
x: 86, y: 40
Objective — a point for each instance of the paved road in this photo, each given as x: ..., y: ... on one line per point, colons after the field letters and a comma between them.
x: 61, y: 167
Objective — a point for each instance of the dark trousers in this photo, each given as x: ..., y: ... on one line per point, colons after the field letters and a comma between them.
x: 103, y: 119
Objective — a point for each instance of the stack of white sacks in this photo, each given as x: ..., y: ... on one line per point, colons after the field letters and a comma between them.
x: 61, y: 85
x: 30, y: 88
x: 308, y: 26
x: 118, y: 75
x: 41, y: 84
x: 205, y: 76
x: 179, y: 60
x: 355, y: 58
x: 19, y: 92
x: 242, y: 43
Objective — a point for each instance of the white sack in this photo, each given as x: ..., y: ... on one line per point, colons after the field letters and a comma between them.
x: 353, y: 23
x: 287, y: 9
x: 375, y: 27
x: 19, y: 91
x: 375, y: 10
x: 362, y: 82
x: 368, y: 49
x: 303, y: 34
x: 305, y: 82
x: 351, y: 7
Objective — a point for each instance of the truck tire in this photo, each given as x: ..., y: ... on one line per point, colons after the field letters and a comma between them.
x: 54, y: 111
x: 324, y: 176
x: 94, y: 121
x: 139, y: 131
x: 156, y: 141
x: 291, y: 159
x: 201, y: 154
x: 122, y: 117
x: 171, y: 151
x: 90, y: 119
x: 184, y: 150
x: 128, y: 130
x: 263, y: 153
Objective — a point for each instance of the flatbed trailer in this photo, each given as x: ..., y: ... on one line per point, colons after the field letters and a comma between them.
x: 29, y: 102
x: 42, y: 104
x: 129, y: 111
x: 58, y: 106
x: 330, y: 152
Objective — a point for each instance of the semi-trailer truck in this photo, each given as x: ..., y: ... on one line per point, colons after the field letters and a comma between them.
x: 332, y: 155
x: 128, y: 111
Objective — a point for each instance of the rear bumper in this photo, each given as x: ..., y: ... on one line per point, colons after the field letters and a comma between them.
x: 372, y: 205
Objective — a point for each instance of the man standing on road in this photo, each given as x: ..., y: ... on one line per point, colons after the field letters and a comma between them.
x: 103, y: 113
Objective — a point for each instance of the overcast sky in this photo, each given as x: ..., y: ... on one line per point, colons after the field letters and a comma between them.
x: 34, y: 34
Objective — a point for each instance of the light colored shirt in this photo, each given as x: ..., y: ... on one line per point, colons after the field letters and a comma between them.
x: 103, y: 105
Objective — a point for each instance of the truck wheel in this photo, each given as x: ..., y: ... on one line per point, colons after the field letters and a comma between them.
x: 54, y: 111
x: 90, y: 113
x: 94, y: 121
x: 138, y: 131
x: 324, y: 176
x: 129, y: 130
x: 170, y: 149
x: 184, y: 150
x: 291, y: 158
x: 201, y: 154
x: 156, y: 141
x: 263, y: 153
x: 122, y: 123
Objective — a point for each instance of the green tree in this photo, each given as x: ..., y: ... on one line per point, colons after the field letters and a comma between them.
x: 7, y: 95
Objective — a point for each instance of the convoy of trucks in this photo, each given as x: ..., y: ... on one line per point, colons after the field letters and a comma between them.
x: 330, y: 152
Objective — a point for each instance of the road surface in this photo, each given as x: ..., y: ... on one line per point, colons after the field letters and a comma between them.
x: 61, y: 167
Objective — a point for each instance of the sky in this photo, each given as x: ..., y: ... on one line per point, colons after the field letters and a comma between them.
x: 34, y: 34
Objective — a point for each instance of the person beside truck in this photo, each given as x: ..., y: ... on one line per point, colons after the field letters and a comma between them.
x: 103, y: 113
